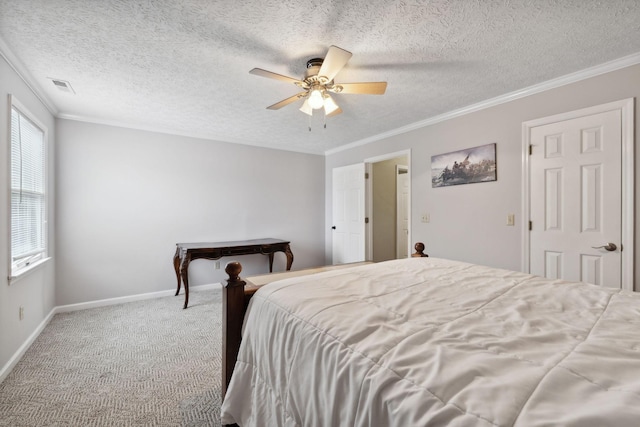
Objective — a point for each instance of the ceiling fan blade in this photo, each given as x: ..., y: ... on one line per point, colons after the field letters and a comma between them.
x: 334, y: 61
x: 271, y: 75
x: 368, y: 88
x: 287, y: 101
x: 335, y: 112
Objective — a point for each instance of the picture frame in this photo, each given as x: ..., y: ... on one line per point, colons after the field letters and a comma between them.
x: 468, y: 166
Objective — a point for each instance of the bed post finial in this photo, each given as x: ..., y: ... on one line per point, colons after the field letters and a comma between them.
x: 419, y: 247
x: 233, y: 269
x: 233, y: 308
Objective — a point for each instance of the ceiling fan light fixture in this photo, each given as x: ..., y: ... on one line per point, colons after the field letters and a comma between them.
x: 318, y: 82
x: 329, y: 105
x: 316, y: 100
x: 306, y: 108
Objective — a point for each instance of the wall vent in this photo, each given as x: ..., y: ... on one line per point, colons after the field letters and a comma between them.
x: 63, y: 85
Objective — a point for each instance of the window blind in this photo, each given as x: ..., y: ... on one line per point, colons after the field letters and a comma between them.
x: 28, y: 201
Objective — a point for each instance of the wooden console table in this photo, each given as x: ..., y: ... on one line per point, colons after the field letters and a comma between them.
x: 187, y: 252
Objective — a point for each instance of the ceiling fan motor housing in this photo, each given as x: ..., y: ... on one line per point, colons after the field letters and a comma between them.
x: 313, y: 62
x: 313, y: 68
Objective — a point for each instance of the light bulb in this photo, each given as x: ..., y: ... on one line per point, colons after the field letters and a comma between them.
x: 315, y: 99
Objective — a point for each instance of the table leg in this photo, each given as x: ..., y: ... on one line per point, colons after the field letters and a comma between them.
x: 176, y: 267
x: 184, y: 273
x: 289, y: 254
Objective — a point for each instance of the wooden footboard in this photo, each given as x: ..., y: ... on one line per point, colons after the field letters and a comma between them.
x: 234, y: 306
x: 235, y: 299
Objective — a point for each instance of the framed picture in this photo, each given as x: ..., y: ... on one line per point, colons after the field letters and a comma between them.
x: 477, y: 164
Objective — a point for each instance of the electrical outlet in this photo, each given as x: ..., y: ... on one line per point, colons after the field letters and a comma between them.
x: 511, y: 219
x: 426, y: 217
x: 21, y: 313
x: 217, y: 265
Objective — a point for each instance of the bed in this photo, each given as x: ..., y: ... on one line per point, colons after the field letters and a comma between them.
x: 434, y: 342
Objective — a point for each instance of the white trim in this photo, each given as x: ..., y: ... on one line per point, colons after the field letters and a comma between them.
x: 8, y: 367
x: 174, y: 132
x: 368, y: 212
x: 406, y: 169
x: 130, y: 298
x: 606, y: 67
x: 626, y: 107
x: 27, y: 270
x: 14, y: 102
x: 26, y: 77
x: 526, y: 214
x: 368, y: 197
x: 628, y: 194
x: 387, y: 156
x: 7, y: 177
x: 597, y: 70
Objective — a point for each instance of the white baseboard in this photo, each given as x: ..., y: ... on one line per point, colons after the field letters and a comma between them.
x: 8, y: 367
x: 120, y: 300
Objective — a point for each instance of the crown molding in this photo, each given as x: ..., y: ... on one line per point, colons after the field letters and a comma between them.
x: 604, y: 68
x: 597, y: 70
x: 26, y: 77
x: 167, y: 131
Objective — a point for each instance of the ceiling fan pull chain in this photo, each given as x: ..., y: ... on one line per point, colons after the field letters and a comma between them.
x: 310, y: 123
x: 324, y: 118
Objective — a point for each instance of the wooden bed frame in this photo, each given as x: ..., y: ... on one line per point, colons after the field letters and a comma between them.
x: 235, y: 299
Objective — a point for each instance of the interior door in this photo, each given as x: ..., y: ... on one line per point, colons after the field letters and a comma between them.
x: 402, y: 211
x: 576, y: 195
x: 348, y: 214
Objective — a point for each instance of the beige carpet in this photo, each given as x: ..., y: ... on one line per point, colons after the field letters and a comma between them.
x: 145, y: 363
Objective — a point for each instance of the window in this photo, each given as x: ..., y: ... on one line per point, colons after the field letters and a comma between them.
x: 28, y: 192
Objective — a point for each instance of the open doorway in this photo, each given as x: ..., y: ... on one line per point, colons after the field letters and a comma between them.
x: 388, y: 207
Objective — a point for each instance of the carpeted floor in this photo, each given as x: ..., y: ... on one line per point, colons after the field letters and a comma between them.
x: 145, y: 363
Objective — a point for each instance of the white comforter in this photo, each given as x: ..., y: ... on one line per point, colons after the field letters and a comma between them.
x: 432, y: 342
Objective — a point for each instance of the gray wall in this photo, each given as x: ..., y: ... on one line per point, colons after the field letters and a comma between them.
x: 468, y: 221
x: 125, y: 197
x: 35, y: 291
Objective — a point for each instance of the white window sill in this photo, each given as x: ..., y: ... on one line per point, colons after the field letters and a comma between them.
x: 27, y: 270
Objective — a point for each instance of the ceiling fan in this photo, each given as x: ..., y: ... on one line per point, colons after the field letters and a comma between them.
x: 318, y: 83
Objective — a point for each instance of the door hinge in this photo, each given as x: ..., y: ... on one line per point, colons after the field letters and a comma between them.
x: 530, y: 225
x: 366, y: 175
x: 530, y: 149
x: 366, y: 220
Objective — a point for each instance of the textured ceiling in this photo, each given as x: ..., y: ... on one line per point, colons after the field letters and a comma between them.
x: 183, y: 66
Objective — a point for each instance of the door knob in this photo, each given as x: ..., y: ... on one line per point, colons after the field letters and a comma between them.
x: 333, y: 228
x: 609, y: 247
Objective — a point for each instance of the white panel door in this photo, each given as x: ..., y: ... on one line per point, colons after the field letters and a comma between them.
x: 402, y: 212
x: 576, y: 199
x: 348, y: 214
